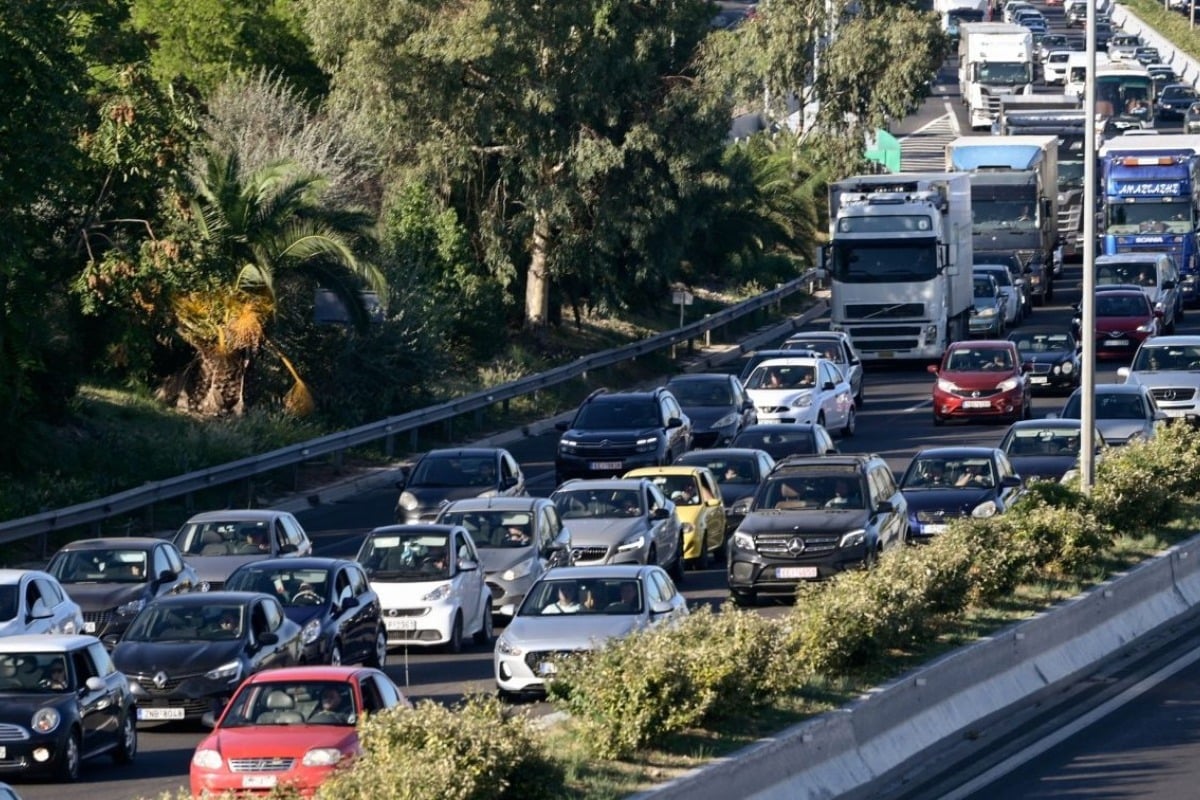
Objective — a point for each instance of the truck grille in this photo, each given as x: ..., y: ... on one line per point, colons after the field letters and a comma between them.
x: 1069, y: 220
x: 892, y: 330
x: 885, y: 310
x: 880, y: 345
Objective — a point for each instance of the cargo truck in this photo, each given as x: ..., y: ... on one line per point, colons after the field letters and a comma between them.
x: 994, y: 59
x: 955, y: 12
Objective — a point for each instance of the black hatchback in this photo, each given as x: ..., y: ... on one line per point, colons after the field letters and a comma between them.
x: 1174, y: 100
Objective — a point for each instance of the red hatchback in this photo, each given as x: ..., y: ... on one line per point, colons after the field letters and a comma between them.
x: 1124, y: 319
x: 289, y: 727
x: 981, y: 380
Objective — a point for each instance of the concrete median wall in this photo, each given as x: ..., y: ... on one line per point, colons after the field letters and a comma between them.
x: 1184, y: 65
x: 839, y: 752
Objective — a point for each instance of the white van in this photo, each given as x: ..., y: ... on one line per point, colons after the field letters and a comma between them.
x: 1156, y: 274
x: 1054, y: 66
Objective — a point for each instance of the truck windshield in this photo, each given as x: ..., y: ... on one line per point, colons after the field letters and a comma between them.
x: 1070, y: 175
x: 884, y: 261
x: 1149, y: 217
x: 988, y: 214
x: 1003, y: 74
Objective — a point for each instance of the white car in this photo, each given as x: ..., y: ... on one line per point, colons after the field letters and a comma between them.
x: 802, y: 389
x: 1169, y: 366
x: 1013, y: 305
x: 838, y: 348
x: 32, y: 601
x: 1054, y: 66
x: 430, y: 583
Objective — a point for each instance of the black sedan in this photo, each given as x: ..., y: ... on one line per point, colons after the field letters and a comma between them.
x: 1045, y: 449
x: 61, y: 701
x: 780, y: 439
x: 738, y: 470
x: 716, y: 404
x: 1174, y: 100
x: 113, y: 579
x: 329, y: 598
x: 186, y: 654
x: 1050, y: 358
x: 946, y: 483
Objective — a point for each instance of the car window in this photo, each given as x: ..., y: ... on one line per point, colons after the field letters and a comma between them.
x: 372, y: 700
x: 358, y: 580
x: 101, y: 660
x: 51, y: 592
x: 84, y: 668
x: 388, y: 694
x: 654, y: 590
x: 341, y: 586
x: 272, y: 614
x: 161, y: 562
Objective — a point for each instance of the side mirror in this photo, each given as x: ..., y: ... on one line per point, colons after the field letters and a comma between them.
x: 742, y: 506
x: 1122, y: 372
x: 270, y: 637
x: 467, y: 565
x: 349, y: 601
x: 659, y: 608
x: 1011, y: 481
x: 884, y: 507
x: 829, y: 386
x: 932, y: 369
x: 167, y: 575
x: 713, y: 502
x: 508, y: 610
x: 1158, y: 312
x: 207, y: 720
x: 562, y: 426
x: 747, y: 404
x: 1159, y: 416
x: 288, y: 547
x: 510, y: 481
x: 674, y: 422
x: 95, y: 684
x: 660, y: 513
x: 1168, y: 284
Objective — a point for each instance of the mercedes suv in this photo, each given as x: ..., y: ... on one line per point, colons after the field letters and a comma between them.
x: 615, y: 432
x: 812, y: 517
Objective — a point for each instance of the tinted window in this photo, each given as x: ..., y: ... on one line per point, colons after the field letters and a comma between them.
x: 101, y: 660
x: 8, y: 602
x: 618, y: 413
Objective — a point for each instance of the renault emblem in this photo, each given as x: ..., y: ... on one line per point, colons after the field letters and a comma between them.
x: 160, y: 679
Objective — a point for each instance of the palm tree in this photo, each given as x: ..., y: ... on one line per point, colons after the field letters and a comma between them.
x: 254, y: 231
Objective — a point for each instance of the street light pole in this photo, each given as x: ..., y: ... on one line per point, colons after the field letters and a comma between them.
x: 1087, y: 325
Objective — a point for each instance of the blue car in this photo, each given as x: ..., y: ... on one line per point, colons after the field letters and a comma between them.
x: 943, y: 484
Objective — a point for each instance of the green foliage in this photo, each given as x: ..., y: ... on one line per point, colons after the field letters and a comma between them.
x: 1168, y: 23
x: 1139, y: 486
x: 473, y: 752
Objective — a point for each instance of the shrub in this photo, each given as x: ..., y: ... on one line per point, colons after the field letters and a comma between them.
x: 1139, y: 487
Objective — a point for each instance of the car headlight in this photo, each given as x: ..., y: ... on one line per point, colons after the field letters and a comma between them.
x: 1147, y: 327
x: 632, y: 543
x: 206, y: 759
x: 990, y: 311
x: 312, y: 629
x: 131, y: 608
x: 230, y: 672
x: 743, y: 541
x: 568, y: 445
x: 1007, y: 385
x: 506, y: 648
x: 646, y: 444
x: 727, y: 420
x: 438, y: 594
x: 1062, y: 199
x: 408, y: 501
x: 985, y: 509
x: 519, y: 571
x: 946, y: 386
x: 802, y: 401
x: 853, y: 538
x: 45, y: 720
x: 322, y: 757
x: 1035, y: 279
x: 1067, y: 368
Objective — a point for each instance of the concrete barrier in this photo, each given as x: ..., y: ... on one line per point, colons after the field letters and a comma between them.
x: 848, y: 749
x: 1181, y: 62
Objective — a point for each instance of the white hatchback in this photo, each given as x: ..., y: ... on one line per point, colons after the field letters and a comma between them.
x: 430, y: 583
x: 32, y: 601
x: 808, y: 389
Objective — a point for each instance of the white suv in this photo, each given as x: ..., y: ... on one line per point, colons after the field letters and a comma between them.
x: 1169, y: 366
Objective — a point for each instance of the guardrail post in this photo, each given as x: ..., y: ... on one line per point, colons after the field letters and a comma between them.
x: 389, y: 446
x: 339, y: 460
x: 707, y: 333
x: 478, y: 419
x: 412, y: 440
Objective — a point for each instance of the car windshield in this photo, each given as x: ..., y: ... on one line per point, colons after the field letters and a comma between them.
x: 293, y: 587
x: 782, y: 376
x: 225, y: 538
x: 280, y: 702
x: 805, y: 492
x: 491, y: 528
x: 728, y: 471
x: 1109, y: 406
x: 612, y: 596
x: 684, y: 490
x: 174, y: 623
x: 948, y: 473
x: 1042, y: 442
x: 798, y: 442
x: 706, y: 393
x: 1001, y: 276
x: 1153, y: 358
x: 99, y: 566
x: 826, y: 348
x: 408, y: 556
x: 985, y: 290
x: 454, y: 471
x: 1111, y: 304
x: 1033, y: 343
x: 978, y: 359
x: 34, y: 673
x: 597, y: 503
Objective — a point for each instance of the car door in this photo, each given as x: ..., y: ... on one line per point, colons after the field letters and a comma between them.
x: 712, y: 512
x: 468, y: 582
x: 892, y: 525
x: 511, y: 476
x: 662, y: 531
x: 360, y: 616
x: 99, y: 709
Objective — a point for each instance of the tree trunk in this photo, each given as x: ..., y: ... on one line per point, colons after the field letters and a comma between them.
x: 212, y: 386
x: 537, y: 282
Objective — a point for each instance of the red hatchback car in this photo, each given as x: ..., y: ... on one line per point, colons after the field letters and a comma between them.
x: 289, y: 727
x: 1124, y: 319
x: 981, y: 380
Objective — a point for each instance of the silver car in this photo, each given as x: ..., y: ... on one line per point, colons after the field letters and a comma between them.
x: 218, y: 542
x: 1169, y: 366
x: 32, y: 601
x: 621, y: 521
x: 579, y: 608
x: 1124, y: 412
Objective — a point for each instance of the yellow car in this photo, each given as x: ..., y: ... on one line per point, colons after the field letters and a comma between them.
x: 697, y: 498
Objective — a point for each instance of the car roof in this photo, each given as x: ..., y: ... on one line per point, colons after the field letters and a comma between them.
x: 598, y: 571
x: 454, y: 452
x: 305, y: 562
x: 832, y: 460
x: 794, y: 361
x: 1192, y: 340
x: 759, y: 427
x: 603, y: 483
x: 428, y: 527
x: 1046, y: 330
x: 1064, y: 423
x: 981, y: 344
x: 122, y: 542
x: 255, y: 514
x: 670, y: 469
x: 1116, y: 388
x: 1118, y: 287
x: 724, y: 452
x: 45, y: 643
x: 499, y: 503
x: 700, y: 376
x: 1133, y: 258
x: 838, y: 335
x: 309, y: 673
x: 208, y: 598
x: 958, y: 451
x: 15, y: 575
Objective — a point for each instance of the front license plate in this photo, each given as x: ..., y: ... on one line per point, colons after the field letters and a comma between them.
x: 401, y: 624
x: 547, y: 668
x: 934, y: 528
x: 607, y: 465
x: 89, y: 627
x: 885, y: 354
x: 160, y: 713
x: 258, y: 781
x: 1116, y: 342
x: 977, y: 403
x: 795, y: 572
x: 1038, y: 379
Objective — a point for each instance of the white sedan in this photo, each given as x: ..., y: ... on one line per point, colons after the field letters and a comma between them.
x: 802, y: 389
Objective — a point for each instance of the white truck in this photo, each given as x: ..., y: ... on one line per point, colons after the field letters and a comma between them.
x: 994, y: 59
x: 956, y: 12
x: 899, y: 263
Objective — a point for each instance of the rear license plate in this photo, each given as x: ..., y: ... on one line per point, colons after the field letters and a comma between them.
x: 1038, y: 379
x: 1116, y: 342
x: 160, y: 713
x: 607, y: 465
x: 977, y: 403
x: 401, y: 624
x: 258, y: 781
x: 89, y: 627
x: 547, y: 668
x: 933, y: 528
x: 795, y: 572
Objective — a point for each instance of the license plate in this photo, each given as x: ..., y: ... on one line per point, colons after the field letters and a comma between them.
x: 258, y: 781
x: 401, y: 624
x: 977, y: 403
x: 160, y: 713
x: 547, y: 668
x: 885, y: 354
x: 1038, y: 379
x: 607, y: 465
x: 89, y: 627
x: 1116, y: 342
x: 795, y: 572
x: 933, y: 528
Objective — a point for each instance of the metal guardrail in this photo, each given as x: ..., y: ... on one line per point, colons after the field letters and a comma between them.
x: 96, y: 511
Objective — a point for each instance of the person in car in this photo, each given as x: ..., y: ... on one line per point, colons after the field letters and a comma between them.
x: 628, y: 604
x: 333, y: 708
x: 55, y: 677
x: 567, y: 602
x: 935, y: 474
x: 516, y: 535
x: 844, y: 495
x: 973, y: 475
x: 686, y: 495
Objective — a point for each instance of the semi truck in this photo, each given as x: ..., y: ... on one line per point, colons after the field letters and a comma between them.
x: 1151, y: 199
x: 955, y: 12
x: 899, y: 263
x: 1014, y: 202
x: 994, y: 59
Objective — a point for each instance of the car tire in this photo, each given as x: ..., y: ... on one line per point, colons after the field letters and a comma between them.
x: 858, y: 398
x: 455, y: 642
x: 744, y: 599
x: 848, y: 428
x: 66, y: 766
x: 676, y: 568
x: 335, y: 654
x: 377, y: 658
x: 486, y: 631
x: 127, y: 743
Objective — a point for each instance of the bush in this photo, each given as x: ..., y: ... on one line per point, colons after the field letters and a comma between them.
x: 1139, y: 487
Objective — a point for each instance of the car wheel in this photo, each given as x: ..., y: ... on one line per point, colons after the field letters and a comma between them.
x: 676, y: 568
x: 378, y: 655
x: 486, y: 630
x: 744, y: 599
x: 127, y: 743
x: 335, y: 655
x: 67, y: 766
x: 848, y: 428
x: 454, y: 645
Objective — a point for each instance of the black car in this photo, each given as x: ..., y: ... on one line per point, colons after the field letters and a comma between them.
x: 945, y: 483
x: 329, y: 598
x: 1050, y: 358
x: 1045, y: 449
x: 1147, y: 56
x: 812, y: 518
x: 782, y: 439
x: 61, y: 701
x: 716, y: 404
x: 441, y: 476
x: 614, y: 432
x: 1174, y: 100
x: 186, y: 654
x: 113, y: 579
x: 738, y: 470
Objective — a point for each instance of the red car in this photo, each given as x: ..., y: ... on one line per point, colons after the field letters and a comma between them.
x: 289, y: 727
x: 1124, y: 319
x: 981, y: 380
